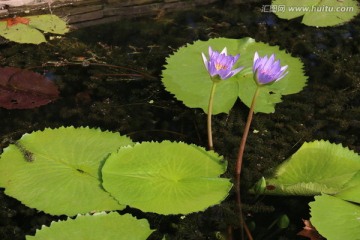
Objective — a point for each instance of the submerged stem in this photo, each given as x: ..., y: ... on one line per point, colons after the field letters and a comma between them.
x: 209, y: 114
x: 244, y: 229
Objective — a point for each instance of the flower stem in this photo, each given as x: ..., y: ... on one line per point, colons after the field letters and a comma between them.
x: 239, y: 164
x: 209, y: 114
x: 245, y: 134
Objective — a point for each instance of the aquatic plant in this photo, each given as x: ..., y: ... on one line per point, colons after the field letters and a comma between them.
x: 330, y: 171
x: 266, y: 71
x: 49, y: 169
x: 185, y: 76
x: 96, y: 226
x: 24, y: 89
x: 257, y: 85
x: 80, y: 170
x: 166, y: 178
x: 219, y: 67
x: 316, y: 13
x: 29, y: 29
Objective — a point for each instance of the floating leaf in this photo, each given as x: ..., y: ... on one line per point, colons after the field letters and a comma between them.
x: 16, y: 20
x: 22, y: 89
x: 94, y: 227
x: 58, y: 170
x: 166, y: 177
x: 334, y: 218
x: 317, y: 167
x: 28, y: 31
x: 319, y: 13
x: 186, y: 77
x: 49, y: 23
x: 21, y: 33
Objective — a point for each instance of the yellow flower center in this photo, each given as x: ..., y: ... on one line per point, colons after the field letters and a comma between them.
x: 219, y: 66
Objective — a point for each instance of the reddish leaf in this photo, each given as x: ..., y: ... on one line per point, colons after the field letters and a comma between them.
x: 310, y: 231
x: 23, y: 89
x: 16, y: 20
x: 270, y: 187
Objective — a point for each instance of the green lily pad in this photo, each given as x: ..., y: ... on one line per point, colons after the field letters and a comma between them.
x: 29, y: 33
x: 21, y: 33
x: 319, y: 13
x: 335, y: 218
x: 351, y: 190
x: 166, y: 177
x: 317, y: 167
x: 58, y: 170
x: 49, y: 23
x: 186, y: 77
x: 94, y: 227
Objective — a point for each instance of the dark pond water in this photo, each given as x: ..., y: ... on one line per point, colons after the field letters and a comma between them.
x: 132, y: 101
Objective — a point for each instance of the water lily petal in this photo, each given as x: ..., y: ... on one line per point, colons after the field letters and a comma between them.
x: 205, y: 61
x: 224, y: 51
x: 267, y: 70
x: 221, y: 64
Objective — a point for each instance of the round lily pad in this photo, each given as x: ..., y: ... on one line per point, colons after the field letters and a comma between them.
x: 58, y: 170
x: 186, y: 77
x: 166, y: 177
x: 94, y: 227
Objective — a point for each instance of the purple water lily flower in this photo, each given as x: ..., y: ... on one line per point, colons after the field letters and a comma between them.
x: 221, y: 64
x: 267, y: 70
